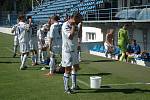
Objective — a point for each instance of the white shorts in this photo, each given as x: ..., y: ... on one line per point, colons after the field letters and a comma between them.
x: 108, y: 48
x: 69, y: 59
x: 33, y: 44
x: 24, y: 47
x: 16, y: 40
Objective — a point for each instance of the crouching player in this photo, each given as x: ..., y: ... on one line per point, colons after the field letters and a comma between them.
x: 55, y: 42
x: 69, y: 51
x: 23, y: 36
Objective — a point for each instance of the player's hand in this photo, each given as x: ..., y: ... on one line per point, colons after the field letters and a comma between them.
x: 72, y: 21
x: 30, y: 20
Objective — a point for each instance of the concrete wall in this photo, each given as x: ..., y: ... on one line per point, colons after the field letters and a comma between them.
x: 5, y: 30
x: 96, y: 32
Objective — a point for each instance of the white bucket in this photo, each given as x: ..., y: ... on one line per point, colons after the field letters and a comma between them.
x: 95, y: 82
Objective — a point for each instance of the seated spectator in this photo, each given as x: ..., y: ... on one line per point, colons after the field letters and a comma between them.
x: 133, y: 49
x: 136, y: 48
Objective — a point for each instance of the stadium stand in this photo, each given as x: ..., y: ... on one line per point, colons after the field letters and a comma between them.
x: 61, y: 8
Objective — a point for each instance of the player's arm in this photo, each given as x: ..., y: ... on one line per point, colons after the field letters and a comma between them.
x: 50, y: 43
x: 80, y: 33
x: 50, y: 37
x: 72, y: 32
x: 107, y: 39
x: 79, y: 36
x: 13, y: 29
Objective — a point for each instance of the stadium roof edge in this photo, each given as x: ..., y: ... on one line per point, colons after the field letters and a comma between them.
x: 116, y: 21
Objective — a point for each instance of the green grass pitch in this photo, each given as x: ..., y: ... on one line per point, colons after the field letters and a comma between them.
x: 31, y: 84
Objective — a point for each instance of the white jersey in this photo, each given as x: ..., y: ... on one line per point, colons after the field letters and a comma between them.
x: 41, y: 35
x: 55, y: 34
x: 23, y: 34
x: 67, y: 44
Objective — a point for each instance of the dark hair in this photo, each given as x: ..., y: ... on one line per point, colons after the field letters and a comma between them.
x: 28, y: 17
x: 134, y: 40
x: 126, y: 25
x: 76, y: 15
x: 56, y: 18
x: 21, y: 17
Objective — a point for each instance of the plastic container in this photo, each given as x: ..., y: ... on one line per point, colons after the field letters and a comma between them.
x: 95, y: 82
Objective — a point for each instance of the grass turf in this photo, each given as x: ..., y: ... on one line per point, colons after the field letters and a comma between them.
x: 31, y: 84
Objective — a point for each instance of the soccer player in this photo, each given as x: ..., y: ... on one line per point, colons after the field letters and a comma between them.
x: 109, y: 43
x: 69, y: 50
x: 42, y: 46
x: 24, y: 37
x: 55, y: 42
x: 123, y: 41
x: 16, y: 41
x: 33, y: 41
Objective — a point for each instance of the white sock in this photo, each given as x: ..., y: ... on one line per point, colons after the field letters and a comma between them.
x: 24, y: 60
x: 42, y: 55
x: 21, y: 58
x: 52, y: 64
x: 15, y: 49
x: 79, y: 56
x: 39, y: 56
x: 74, y: 79
x: 66, y: 81
x: 36, y: 58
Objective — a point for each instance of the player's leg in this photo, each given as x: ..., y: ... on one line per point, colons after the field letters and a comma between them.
x: 52, y: 64
x: 32, y: 57
x: 24, y: 59
x: 66, y: 79
x: 106, y: 49
x: 24, y: 54
x: 122, y: 56
x: 123, y: 52
x: 35, y: 47
x: 36, y: 57
x: 67, y: 63
x: 15, y: 46
x: 31, y: 43
x: 75, y: 68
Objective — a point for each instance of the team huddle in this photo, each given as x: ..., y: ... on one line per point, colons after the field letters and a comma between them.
x: 53, y: 38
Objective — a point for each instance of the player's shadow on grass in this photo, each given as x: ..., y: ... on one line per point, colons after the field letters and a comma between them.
x: 9, y: 62
x: 89, y: 61
x: 9, y: 57
x: 111, y: 90
x: 96, y: 74
x: 104, y: 61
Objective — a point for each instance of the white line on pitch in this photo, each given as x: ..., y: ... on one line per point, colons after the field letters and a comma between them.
x: 9, y: 49
x: 136, y: 83
x: 82, y: 82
